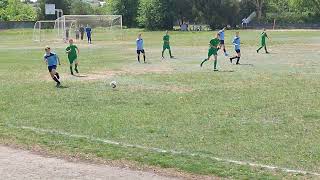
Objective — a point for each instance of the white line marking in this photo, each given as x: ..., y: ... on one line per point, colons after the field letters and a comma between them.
x: 158, y: 150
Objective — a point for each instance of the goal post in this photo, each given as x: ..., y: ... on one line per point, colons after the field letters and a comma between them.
x: 67, y: 25
x: 44, y: 31
x: 71, y: 23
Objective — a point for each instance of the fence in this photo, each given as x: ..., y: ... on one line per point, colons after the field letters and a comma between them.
x: 283, y: 26
x: 16, y: 24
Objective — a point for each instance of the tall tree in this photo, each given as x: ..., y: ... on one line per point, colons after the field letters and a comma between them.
x: 184, y: 10
x: 127, y: 8
x: 80, y: 7
x: 218, y: 13
x: 15, y: 10
x: 156, y: 14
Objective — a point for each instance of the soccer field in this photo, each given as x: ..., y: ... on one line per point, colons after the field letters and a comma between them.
x: 256, y: 120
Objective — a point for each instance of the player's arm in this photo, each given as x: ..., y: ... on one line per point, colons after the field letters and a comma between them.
x: 68, y: 50
x: 58, y: 59
x: 45, y: 60
x: 78, y: 49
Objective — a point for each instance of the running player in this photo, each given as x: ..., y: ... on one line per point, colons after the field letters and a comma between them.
x: 166, y: 44
x: 72, y: 51
x: 222, y: 46
x: 263, y: 41
x: 52, y: 60
x: 236, y: 43
x: 213, y: 51
x: 140, y: 48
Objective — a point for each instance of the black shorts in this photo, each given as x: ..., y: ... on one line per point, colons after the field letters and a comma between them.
x: 221, y: 41
x: 50, y: 68
x: 237, y: 50
x: 140, y: 51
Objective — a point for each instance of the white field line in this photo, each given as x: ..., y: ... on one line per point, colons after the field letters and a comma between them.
x: 158, y: 150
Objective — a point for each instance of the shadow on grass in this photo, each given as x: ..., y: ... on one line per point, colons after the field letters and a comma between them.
x: 245, y: 65
x: 226, y: 71
x: 80, y: 75
x: 63, y: 87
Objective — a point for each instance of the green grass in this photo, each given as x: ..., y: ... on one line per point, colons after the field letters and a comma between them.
x: 266, y: 112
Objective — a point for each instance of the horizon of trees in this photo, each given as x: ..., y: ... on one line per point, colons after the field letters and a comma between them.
x: 164, y: 14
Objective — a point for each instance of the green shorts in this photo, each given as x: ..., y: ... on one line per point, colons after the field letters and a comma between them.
x: 72, y: 59
x: 212, y: 51
x: 166, y: 47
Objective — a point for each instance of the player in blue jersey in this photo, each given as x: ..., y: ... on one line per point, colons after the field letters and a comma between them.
x: 52, y: 60
x: 222, y: 45
x: 89, y: 33
x: 236, y: 42
x: 140, y: 48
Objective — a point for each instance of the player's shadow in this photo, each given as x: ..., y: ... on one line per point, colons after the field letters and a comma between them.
x: 63, y: 87
x: 80, y: 76
x: 227, y: 71
x: 245, y: 65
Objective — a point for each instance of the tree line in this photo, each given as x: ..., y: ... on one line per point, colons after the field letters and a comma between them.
x: 164, y: 14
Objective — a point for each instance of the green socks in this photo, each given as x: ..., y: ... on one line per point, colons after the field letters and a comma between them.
x: 215, y: 64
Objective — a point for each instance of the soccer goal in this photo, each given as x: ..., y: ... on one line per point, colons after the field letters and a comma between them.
x: 68, y: 25
x: 44, y: 31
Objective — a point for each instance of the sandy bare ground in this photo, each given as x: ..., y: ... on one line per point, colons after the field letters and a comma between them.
x: 21, y: 164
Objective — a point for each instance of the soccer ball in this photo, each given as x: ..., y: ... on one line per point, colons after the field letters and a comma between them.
x: 113, y: 84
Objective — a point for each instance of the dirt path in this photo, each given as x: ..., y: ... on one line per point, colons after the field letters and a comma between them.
x: 20, y: 164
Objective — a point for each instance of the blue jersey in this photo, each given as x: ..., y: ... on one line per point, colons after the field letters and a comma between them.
x: 139, y: 44
x: 51, y: 58
x: 236, y: 43
x: 221, y: 33
x: 88, y: 30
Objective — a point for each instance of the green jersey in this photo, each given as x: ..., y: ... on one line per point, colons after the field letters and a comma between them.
x: 214, y: 43
x: 72, y: 55
x: 166, y: 39
x: 263, y: 38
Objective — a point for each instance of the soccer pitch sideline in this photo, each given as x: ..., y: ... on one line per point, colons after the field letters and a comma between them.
x: 258, y: 120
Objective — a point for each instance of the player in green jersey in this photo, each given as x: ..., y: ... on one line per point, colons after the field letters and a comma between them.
x: 166, y: 44
x: 213, y: 51
x: 263, y: 41
x: 72, y: 51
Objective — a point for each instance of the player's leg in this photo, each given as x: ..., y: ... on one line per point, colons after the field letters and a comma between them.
x: 215, y: 62
x: 144, y: 56
x: 223, y: 47
x: 238, y: 56
x: 138, y: 55
x: 53, y: 72
x: 232, y: 58
x: 71, y: 66
x: 265, y: 48
x: 170, y: 52
x: 163, y: 49
x: 210, y: 53
x: 259, y: 48
x: 76, y: 64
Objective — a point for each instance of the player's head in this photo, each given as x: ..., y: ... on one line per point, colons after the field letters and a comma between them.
x: 139, y: 35
x: 47, y: 49
x: 167, y: 32
x: 237, y: 33
x: 264, y: 29
x: 70, y: 41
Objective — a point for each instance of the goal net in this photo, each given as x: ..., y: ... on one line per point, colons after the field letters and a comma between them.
x: 68, y: 25
x: 44, y: 31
